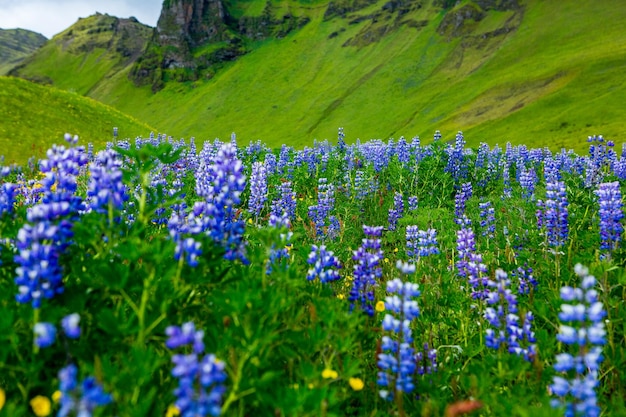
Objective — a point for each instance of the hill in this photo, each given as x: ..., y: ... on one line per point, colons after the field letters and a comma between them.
x: 533, y: 72
x: 34, y: 117
x: 86, y: 54
x: 17, y: 44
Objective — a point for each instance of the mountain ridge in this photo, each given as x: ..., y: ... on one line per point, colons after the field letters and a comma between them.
x: 16, y: 45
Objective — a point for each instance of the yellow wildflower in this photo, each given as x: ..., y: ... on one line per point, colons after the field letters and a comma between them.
x: 329, y: 374
x: 395, y: 250
x: 341, y: 296
x: 56, y: 396
x: 250, y: 221
x: 172, y: 411
x: 380, y: 306
x: 41, y: 406
x: 3, y: 398
x: 356, y: 383
x: 386, y: 260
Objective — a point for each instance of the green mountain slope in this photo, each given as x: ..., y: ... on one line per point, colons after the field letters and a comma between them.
x: 34, y: 117
x: 541, y: 73
x: 86, y: 54
x: 17, y: 44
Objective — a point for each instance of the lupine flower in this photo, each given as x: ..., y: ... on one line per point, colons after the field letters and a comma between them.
x: 420, y: 243
x: 324, y: 265
x: 397, y: 211
x: 611, y: 215
x: 282, y: 252
x: 397, y: 361
x: 582, y: 333
x: 367, y: 270
x: 528, y: 180
x: 502, y: 316
x: 70, y: 325
x: 555, y: 213
x: 325, y: 204
x: 457, y: 164
x: 487, y: 219
x: 80, y: 399
x: 41, y: 241
x: 45, y: 334
x: 200, y: 388
x: 106, y: 190
x: 413, y: 203
x: 286, y: 203
x: 526, y: 279
x: 426, y: 360
x: 8, y: 193
x: 460, y: 199
x: 258, y: 188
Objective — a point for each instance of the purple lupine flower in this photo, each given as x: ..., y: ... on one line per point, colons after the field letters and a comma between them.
x: 81, y: 399
x: 45, y: 334
x: 528, y: 181
x: 367, y: 270
x: 504, y: 323
x: 286, y: 203
x: 582, y: 333
x: 457, y: 164
x: 420, y: 243
x: 324, y: 265
x: 277, y: 255
x: 325, y: 204
x: 70, y: 325
x: 106, y: 190
x: 413, y: 203
x: 397, y: 211
x: 460, y: 200
x: 611, y: 215
x: 487, y: 219
x: 465, y: 245
x: 397, y: 362
x: 48, y: 231
x: 527, y: 281
x: 426, y: 360
x: 477, y: 276
x: 555, y: 214
x: 258, y: 189
x: 200, y: 378
x: 506, y: 179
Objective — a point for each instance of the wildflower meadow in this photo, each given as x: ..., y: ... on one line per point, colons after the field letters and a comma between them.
x: 160, y: 277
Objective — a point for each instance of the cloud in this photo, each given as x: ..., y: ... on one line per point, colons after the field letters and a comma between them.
x: 50, y: 17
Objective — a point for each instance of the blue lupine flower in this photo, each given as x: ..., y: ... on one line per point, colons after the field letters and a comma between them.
x: 80, y: 400
x: 281, y: 253
x: 258, y: 188
x: 397, y: 211
x: 457, y: 164
x: 527, y: 281
x: 324, y: 264
x: 397, y: 362
x: 426, y: 360
x: 48, y: 232
x: 420, y: 243
x: 611, y: 215
x: 488, y: 219
x: 582, y: 332
x: 504, y: 323
x: 106, y: 190
x: 413, y: 203
x: 528, y: 180
x: 70, y: 325
x: 45, y: 334
x: 555, y: 213
x: 325, y: 204
x: 8, y: 193
x: 460, y: 200
x: 286, y: 203
x: 367, y: 270
x: 200, y: 379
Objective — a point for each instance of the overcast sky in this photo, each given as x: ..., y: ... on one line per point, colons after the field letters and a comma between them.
x: 50, y: 17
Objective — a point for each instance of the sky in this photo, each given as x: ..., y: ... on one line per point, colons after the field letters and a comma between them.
x: 50, y: 17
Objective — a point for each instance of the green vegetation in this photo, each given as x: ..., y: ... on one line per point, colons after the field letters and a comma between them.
x: 34, y: 117
x: 543, y: 75
x: 17, y: 44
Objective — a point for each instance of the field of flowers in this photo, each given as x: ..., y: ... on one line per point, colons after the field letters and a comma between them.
x: 371, y: 279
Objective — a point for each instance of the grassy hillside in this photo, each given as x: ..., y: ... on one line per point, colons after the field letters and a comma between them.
x: 87, y: 53
x: 17, y: 44
x: 34, y: 117
x: 544, y: 75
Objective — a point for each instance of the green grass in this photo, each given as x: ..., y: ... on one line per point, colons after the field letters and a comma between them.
x: 35, y: 117
x: 551, y: 82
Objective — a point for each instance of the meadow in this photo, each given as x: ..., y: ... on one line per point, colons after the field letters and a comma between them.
x: 158, y: 277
